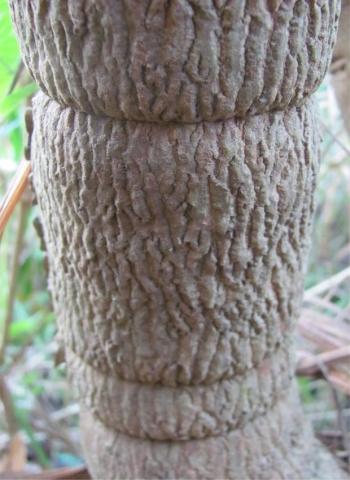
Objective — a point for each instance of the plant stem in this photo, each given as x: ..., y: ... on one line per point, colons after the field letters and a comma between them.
x: 5, y: 397
x: 23, y: 208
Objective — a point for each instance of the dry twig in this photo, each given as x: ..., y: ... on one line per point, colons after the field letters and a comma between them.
x: 14, y: 193
x: 327, y: 284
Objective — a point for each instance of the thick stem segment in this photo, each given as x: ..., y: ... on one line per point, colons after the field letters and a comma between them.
x: 178, y: 60
x: 177, y: 250
x: 176, y: 276
x: 275, y: 446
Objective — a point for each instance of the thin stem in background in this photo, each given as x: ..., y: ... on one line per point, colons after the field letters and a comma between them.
x: 23, y: 209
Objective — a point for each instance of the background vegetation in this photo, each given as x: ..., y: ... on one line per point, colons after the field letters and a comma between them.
x: 38, y: 416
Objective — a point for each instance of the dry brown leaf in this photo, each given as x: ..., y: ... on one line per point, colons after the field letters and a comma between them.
x: 14, y: 460
x: 76, y: 473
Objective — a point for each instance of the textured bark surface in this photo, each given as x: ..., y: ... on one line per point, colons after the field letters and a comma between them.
x: 179, y: 258
x: 275, y: 446
x: 176, y: 257
x: 183, y: 60
x: 181, y: 247
x: 177, y: 250
x: 340, y: 66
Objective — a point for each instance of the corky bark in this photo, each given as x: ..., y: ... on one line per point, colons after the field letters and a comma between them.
x: 175, y: 165
x: 182, y: 60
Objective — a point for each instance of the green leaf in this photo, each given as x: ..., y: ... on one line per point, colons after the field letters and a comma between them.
x: 304, y: 389
x: 13, y: 101
x: 21, y: 329
x: 9, y: 52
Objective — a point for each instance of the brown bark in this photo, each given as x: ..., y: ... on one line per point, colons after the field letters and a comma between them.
x: 177, y: 250
x: 183, y: 60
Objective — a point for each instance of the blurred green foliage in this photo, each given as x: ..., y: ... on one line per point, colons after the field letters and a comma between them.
x: 11, y: 102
